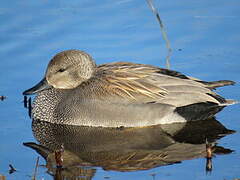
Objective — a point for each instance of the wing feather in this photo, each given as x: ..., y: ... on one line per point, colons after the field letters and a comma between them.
x: 131, y: 80
x: 146, y: 83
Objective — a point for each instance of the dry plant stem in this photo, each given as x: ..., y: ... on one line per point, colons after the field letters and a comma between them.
x: 209, y: 154
x: 209, y: 165
x: 209, y: 149
x: 164, y: 34
x: 35, y: 170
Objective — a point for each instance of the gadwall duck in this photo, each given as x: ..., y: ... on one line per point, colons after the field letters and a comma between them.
x: 76, y: 91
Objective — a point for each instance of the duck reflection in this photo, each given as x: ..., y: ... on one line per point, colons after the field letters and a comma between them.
x: 124, y: 149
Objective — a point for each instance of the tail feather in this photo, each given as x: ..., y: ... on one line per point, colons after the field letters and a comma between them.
x: 229, y: 102
x: 216, y: 84
x: 199, y: 111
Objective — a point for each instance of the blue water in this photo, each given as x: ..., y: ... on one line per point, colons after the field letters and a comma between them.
x: 204, y: 36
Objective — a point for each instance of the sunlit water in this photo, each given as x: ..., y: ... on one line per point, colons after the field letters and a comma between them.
x: 204, y: 36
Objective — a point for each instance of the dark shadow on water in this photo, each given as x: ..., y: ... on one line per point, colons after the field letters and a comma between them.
x: 123, y: 149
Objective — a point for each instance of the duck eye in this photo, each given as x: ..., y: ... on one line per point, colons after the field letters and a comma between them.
x: 61, y: 70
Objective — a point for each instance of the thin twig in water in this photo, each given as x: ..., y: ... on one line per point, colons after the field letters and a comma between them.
x: 209, y: 154
x: 153, y: 175
x: 35, y: 170
x: 209, y: 150
x: 164, y: 34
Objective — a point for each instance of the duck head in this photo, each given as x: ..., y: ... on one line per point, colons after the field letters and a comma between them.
x: 66, y: 70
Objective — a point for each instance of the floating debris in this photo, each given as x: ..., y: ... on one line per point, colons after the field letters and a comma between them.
x: 11, y: 169
x: 106, y: 177
x: 35, y: 170
x: 2, y: 177
x: 2, y: 98
x: 59, y: 157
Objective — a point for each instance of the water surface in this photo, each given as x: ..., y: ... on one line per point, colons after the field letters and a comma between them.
x: 204, y: 36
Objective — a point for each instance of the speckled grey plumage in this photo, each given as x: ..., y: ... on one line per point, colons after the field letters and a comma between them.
x: 79, y: 110
x: 120, y: 94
